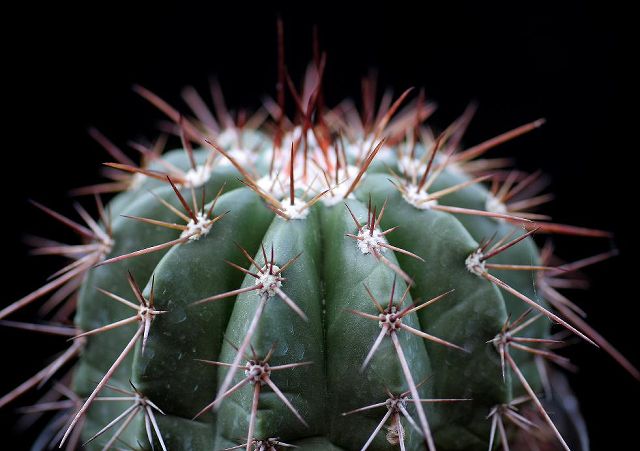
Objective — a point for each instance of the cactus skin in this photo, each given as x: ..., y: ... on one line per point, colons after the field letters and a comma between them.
x: 327, y: 279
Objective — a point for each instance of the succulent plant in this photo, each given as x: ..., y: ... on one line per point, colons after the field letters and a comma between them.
x: 341, y: 280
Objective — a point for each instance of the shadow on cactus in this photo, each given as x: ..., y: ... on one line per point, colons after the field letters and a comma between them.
x: 340, y: 279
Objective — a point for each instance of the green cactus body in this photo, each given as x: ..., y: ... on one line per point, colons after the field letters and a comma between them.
x: 340, y: 282
x: 327, y: 282
x: 336, y: 280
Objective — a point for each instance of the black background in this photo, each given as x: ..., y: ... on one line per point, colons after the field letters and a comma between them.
x: 68, y: 69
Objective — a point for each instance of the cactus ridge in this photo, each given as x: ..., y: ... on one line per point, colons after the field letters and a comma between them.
x: 342, y: 281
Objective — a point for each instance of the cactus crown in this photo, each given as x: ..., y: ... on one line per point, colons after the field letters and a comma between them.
x: 342, y: 280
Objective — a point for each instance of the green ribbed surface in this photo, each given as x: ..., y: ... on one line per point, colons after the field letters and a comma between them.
x: 326, y: 280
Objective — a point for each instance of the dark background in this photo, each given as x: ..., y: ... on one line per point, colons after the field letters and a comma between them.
x: 566, y: 61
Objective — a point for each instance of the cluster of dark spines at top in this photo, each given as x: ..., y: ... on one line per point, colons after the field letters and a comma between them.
x: 324, y: 163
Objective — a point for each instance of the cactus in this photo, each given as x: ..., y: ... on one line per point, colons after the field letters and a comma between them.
x: 338, y: 281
